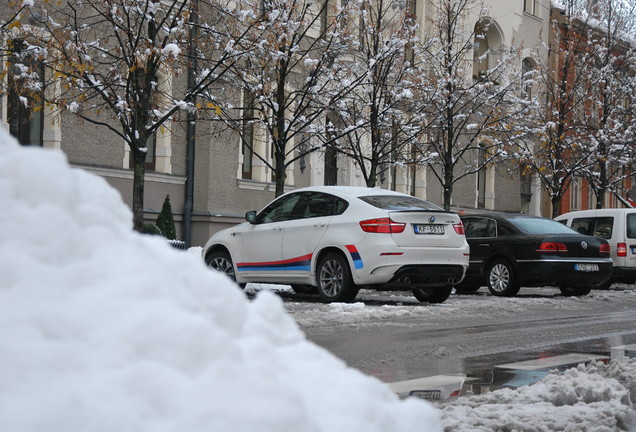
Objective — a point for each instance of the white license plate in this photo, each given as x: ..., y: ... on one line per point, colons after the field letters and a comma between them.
x: 427, y: 394
x: 429, y: 229
x: 586, y: 267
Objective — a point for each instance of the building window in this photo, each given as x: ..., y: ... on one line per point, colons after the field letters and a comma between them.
x: 247, y: 135
x: 331, y: 157
x: 324, y: 17
x: 531, y: 6
x: 25, y: 98
x: 575, y: 194
x: 527, y: 69
x: 481, y: 178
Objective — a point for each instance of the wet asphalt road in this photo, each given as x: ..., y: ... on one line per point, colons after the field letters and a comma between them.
x: 393, y: 337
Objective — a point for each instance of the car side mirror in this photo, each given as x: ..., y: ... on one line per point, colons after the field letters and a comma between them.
x: 250, y: 216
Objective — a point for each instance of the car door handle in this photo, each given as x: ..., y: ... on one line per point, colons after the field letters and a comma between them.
x: 319, y: 224
x: 483, y: 244
x: 278, y: 228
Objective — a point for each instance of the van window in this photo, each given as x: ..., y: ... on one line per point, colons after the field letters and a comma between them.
x: 604, y: 227
x: 583, y: 225
x: 631, y: 225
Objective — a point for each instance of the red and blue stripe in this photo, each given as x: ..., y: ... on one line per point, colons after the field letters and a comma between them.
x: 302, y: 263
x: 355, y: 256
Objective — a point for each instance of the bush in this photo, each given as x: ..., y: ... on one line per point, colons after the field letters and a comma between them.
x: 165, y: 220
x: 152, y: 229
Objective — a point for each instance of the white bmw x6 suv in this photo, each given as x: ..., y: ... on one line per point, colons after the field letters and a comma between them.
x: 336, y: 240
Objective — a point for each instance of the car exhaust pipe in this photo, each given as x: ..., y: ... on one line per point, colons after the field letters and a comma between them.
x: 452, y: 281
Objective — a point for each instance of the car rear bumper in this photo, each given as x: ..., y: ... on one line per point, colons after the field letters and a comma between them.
x: 558, y: 272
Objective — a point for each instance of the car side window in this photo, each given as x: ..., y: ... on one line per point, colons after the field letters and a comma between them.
x: 480, y: 228
x: 504, y: 230
x: 280, y: 210
x: 603, y: 227
x: 318, y: 204
x: 583, y: 225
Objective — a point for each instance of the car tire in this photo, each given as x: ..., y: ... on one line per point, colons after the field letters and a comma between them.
x: 433, y: 295
x: 333, y: 279
x: 572, y: 291
x: 304, y: 289
x: 501, y: 279
x: 466, y: 289
x: 221, y: 261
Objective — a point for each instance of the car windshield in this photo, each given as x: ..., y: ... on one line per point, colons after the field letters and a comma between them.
x: 540, y: 226
x: 399, y: 203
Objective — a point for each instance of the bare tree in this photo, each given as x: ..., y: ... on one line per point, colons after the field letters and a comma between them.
x: 372, y: 124
x: 610, y: 90
x: 287, y: 80
x: 105, y: 58
x: 471, y: 102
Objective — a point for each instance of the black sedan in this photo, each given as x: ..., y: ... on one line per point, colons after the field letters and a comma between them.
x: 508, y: 251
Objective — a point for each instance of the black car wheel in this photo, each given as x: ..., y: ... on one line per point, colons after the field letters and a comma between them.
x: 221, y: 261
x: 333, y: 278
x: 304, y: 289
x: 501, y: 279
x: 433, y: 295
x: 571, y: 291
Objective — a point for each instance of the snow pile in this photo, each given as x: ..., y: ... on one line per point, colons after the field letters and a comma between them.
x: 104, y: 329
x: 582, y: 399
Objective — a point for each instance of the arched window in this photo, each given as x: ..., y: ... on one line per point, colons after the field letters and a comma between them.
x: 528, y: 68
x: 25, y: 98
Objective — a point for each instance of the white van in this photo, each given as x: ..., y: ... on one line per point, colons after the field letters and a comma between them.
x: 618, y: 227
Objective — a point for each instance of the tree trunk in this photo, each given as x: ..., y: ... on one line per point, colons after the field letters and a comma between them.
x: 139, y: 170
x: 556, y: 205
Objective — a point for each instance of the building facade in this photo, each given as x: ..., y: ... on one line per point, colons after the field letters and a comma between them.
x: 229, y: 180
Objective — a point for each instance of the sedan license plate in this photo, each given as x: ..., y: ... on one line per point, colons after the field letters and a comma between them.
x: 429, y: 229
x: 427, y: 394
x: 586, y: 267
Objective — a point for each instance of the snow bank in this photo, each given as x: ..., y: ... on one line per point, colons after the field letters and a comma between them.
x: 104, y: 329
x: 591, y: 398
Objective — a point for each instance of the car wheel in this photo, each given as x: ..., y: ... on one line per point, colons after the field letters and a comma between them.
x: 221, y: 261
x: 333, y: 278
x: 433, y: 295
x: 304, y: 289
x: 570, y: 291
x: 466, y: 289
x: 501, y: 279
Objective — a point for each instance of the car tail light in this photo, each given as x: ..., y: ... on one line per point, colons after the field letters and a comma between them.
x: 605, y: 249
x: 552, y: 247
x: 382, y: 225
x: 621, y: 249
x: 459, y: 228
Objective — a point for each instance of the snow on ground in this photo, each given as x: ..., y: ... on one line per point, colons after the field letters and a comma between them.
x: 404, y: 305
x: 592, y: 398
x: 104, y: 329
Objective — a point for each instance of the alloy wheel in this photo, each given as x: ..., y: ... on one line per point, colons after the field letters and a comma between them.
x: 499, y: 277
x: 331, y: 278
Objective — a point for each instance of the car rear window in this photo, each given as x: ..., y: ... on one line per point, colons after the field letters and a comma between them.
x: 540, y: 226
x: 399, y: 203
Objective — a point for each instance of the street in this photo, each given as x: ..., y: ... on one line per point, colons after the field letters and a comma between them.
x: 393, y: 337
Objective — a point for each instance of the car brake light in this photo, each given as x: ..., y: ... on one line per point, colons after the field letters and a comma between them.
x: 552, y: 247
x: 605, y: 249
x: 459, y: 228
x: 621, y: 249
x: 382, y: 225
